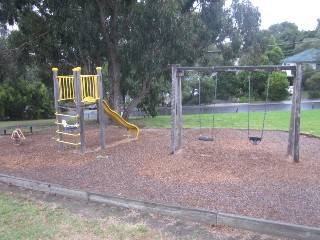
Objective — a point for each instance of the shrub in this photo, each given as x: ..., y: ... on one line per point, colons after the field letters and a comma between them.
x: 313, y: 85
x: 21, y: 100
x: 278, y: 86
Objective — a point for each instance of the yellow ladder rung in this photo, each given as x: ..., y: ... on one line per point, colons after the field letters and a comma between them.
x: 69, y: 134
x: 66, y: 115
x: 74, y: 144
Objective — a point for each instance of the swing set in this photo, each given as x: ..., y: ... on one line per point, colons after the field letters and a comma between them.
x: 176, y: 104
x: 255, y: 140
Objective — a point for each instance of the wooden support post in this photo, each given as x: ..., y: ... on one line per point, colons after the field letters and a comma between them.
x: 56, y: 106
x: 100, y: 109
x: 77, y: 94
x: 294, y: 131
x: 179, y: 109
x: 173, y: 110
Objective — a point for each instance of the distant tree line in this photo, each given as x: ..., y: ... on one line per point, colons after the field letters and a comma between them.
x: 136, y: 42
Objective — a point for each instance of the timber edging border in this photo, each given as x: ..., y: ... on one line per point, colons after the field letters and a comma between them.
x: 276, y: 228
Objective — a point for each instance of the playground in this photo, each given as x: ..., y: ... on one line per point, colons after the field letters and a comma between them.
x: 228, y: 174
x: 224, y: 172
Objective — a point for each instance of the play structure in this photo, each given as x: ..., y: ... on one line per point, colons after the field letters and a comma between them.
x: 82, y: 90
x: 176, y: 104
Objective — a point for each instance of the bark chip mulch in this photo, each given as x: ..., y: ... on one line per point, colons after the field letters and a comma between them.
x: 228, y: 174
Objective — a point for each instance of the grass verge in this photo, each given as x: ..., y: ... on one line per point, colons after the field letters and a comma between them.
x: 21, y: 218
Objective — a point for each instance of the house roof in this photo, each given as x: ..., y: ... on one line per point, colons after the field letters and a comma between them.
x: 308, y: 56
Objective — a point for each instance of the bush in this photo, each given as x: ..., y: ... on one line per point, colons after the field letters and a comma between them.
x: 313, y: 85
x: 24, y: 101
x: 278, y: 86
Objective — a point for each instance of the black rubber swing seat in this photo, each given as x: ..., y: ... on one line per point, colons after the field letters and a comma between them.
x: 206, y: 138
x: 255, y: 140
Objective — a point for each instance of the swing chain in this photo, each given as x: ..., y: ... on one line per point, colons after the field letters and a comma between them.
x: 265, y: 106
x: 214, y: 107
x: 255, y: 140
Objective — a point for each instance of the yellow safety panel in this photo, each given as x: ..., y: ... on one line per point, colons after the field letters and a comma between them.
x: 66, y: 87
x: 89, y: 86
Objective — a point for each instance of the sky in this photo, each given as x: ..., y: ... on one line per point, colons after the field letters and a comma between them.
x: 303, y: 13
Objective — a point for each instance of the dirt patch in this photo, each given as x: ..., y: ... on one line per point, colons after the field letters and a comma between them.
x: 228, y: 174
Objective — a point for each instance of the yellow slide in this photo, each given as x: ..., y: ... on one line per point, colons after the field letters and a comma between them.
x: 118, y: 119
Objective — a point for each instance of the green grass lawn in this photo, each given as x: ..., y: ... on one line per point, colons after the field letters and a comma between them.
x: 310, y: 121
x: 21, y: 218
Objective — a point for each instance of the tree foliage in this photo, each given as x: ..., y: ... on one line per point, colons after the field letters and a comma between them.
x: 287, y: 35
x: 241, y: 24
x: 138, y: 39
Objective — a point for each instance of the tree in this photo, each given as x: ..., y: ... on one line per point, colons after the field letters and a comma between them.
x: 286, y: 35
x: 274, y: 55
x: 241, y: 25
x: 180, y: 39
x: 57, y: 33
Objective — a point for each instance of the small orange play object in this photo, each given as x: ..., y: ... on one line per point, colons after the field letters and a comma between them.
x: 17, y: 135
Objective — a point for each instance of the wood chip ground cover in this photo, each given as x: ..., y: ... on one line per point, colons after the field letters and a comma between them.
x: 228, y: 174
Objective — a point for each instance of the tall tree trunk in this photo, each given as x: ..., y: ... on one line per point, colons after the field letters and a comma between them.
x: 114, y: 78
x: 135, y: 101
x: 111, y: 37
